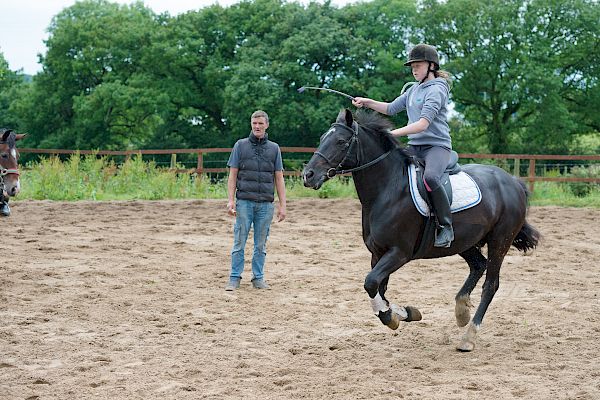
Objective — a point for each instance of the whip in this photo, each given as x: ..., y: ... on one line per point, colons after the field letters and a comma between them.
x: 303, y: 88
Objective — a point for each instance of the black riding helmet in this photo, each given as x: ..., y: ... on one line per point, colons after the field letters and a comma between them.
x: 424, y: 52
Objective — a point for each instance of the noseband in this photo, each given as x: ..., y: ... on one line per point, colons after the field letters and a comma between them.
x: 353, y: 141
x: 6, y: 171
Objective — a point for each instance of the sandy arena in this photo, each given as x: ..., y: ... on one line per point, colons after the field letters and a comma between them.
x: 125, y: 300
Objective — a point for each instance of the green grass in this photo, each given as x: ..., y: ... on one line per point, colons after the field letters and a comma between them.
x: 563, y: 194
x: 98, y: 178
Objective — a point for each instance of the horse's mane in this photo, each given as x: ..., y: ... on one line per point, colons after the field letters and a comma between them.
x: 11, y: 140
x: 377, y: 123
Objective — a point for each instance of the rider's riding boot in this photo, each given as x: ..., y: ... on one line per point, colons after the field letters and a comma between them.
x: 4, y: 208
x: 444, y: 234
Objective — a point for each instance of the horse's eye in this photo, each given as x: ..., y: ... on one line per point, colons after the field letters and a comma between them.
x: 4, y: 155
x: 341, y: 141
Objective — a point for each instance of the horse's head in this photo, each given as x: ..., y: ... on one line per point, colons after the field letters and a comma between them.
x: 9, y: 168
x: 337, y: 150
x: 349, y: 146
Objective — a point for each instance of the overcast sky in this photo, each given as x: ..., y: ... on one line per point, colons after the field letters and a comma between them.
x: 23, y: 25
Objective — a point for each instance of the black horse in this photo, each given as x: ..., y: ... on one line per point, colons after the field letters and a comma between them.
x: 392, y: 226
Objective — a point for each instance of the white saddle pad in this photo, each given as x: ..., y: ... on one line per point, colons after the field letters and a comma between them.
x: 465, y: 192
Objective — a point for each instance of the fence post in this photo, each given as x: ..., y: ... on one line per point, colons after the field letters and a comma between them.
x: 200, y: 165
x: 531, y: 173
x: 517, y: 167
x: 173, y: 161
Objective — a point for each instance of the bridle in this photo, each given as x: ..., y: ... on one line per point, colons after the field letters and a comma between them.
x: 6, y: 171
x: 353, y: 141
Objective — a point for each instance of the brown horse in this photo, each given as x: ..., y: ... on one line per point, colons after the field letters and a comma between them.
x: 392, y: 225
x: 9, y: 168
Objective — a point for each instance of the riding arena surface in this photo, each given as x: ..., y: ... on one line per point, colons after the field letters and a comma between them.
x: 126, y: 300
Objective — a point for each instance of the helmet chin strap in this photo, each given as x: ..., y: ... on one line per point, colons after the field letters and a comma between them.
x: 428, y: 71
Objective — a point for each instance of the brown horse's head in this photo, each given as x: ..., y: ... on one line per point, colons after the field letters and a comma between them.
x: 9, y: 168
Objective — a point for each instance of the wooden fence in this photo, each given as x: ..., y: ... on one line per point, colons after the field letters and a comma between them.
x: 531, y: 176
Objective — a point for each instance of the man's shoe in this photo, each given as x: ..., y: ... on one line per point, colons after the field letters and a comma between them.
x: 260, y: 284
x: 234, y: 283
x: 4, y: 209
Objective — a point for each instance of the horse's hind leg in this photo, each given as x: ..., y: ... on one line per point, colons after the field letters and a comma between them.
x: 477, y: 265
x: 497, y: 249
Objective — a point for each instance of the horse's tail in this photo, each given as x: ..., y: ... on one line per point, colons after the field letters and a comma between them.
x: 528, y: 237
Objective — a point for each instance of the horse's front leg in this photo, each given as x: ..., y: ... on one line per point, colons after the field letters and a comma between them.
x: 376, y: 285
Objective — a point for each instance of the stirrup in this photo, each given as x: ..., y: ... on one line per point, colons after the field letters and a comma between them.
x: 444, y: 237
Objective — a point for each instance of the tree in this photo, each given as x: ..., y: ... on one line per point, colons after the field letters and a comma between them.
x: 516, y: 67
x: 90, y: 91
x: 11, y: 84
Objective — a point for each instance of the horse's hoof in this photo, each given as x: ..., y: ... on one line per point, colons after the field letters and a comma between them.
x: 413, y: 314
x: 462, y: 311
x: 463, y: 316
x: 465, y: 346
x: 394, y: 322
x: 467, y: 343
x: 390, y: 319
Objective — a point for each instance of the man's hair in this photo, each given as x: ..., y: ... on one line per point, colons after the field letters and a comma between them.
x: 260, y: 113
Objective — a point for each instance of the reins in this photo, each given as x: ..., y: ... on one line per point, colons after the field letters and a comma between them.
x: 331, y: 172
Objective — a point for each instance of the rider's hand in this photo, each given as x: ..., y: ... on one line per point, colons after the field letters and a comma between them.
x: 361, y: 102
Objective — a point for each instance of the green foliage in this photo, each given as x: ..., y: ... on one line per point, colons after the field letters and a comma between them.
x: 526, y: 75
x: 339, y: 187
x: 93, y: 178
x: 98, y: 178
x: 583, y: 189
x: 11, y: 86
x: 523, y: 68
x: 560, y: 194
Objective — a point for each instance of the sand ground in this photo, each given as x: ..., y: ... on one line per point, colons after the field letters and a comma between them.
x: 125, y: 300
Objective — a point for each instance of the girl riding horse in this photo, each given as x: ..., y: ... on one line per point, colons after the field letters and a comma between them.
x: 427, y: 130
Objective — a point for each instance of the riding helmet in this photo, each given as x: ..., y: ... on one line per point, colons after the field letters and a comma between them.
x: 423, y: 52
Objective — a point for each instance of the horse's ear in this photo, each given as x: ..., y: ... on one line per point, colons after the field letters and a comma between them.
x: 20, y: 136
x: 349, y: 118
x: 6, y: 134
x: 345, y: 117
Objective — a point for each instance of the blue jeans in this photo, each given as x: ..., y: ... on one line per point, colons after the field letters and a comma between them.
x: 251, y: 213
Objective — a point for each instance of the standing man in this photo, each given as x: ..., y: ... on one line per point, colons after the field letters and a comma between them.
x: 255, y: 170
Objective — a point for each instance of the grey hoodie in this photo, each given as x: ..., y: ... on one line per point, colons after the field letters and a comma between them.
x: 427, y: 100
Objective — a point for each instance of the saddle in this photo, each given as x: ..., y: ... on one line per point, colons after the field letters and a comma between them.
x: 452, y: 168
x: 461, y: 189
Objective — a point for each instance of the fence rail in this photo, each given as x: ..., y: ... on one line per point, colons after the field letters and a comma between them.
x: 531, y: 176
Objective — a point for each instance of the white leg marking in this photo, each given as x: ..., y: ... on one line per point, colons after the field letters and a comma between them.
x: 378, y: 304
x: 401, y: 311
x: 467, y: 342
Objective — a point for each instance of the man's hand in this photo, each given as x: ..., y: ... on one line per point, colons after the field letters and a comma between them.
x: 231, y: 208
x: 280, y: 214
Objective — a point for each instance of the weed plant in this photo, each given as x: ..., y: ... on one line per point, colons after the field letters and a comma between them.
x: 97, y: 178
